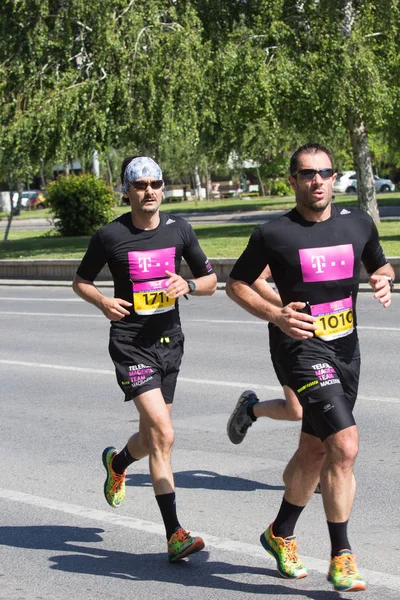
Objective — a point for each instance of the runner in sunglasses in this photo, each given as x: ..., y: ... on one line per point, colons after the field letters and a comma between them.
x: 144, y: 249
x: 314, y: 253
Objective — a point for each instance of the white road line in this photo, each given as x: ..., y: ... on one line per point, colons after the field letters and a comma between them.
x: 208, y: 382
x: 21, y: 299
x: 259, y: 323
x: 383, y: 580
x: 38, y: 314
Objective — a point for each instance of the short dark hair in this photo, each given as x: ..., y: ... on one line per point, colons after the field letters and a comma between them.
x: 125, y: 163
x: 311, y: 148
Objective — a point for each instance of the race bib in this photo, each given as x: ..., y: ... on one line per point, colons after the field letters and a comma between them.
x: 333, y: 319
x: 149, y: 298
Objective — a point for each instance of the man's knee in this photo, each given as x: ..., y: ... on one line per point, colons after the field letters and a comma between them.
x: 294, y: 410
x: 161, y: 437
x: 342, y: 447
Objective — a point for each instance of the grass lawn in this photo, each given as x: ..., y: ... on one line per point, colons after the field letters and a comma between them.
x: 218, y: 241
x: 228, y: 205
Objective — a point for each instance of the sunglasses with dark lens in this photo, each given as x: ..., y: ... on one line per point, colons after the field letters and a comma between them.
x: 142, y: 185
x: 309, y: 174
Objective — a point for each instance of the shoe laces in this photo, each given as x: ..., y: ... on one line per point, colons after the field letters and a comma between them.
x: 290, y: 546
x: 346, y: 563
x: 118, y: 480
x: 181, y: 535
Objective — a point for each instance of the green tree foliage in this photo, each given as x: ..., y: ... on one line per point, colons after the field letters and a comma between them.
x: 81, y: 204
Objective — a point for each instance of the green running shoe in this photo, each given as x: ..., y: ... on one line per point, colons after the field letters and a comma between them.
x: 181, y: 544
x: 114, y: 485
x: 343, y: 573
x: 284, y: 550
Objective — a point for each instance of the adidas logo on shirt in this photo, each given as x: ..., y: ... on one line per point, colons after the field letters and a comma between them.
x: 170, y: 221
x: 345, y: 212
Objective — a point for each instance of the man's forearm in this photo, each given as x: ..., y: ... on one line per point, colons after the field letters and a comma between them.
x: 87, y: 291
x: 265, y: 307
x: 206, y: 285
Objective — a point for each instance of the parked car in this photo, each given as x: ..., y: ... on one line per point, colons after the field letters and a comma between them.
x: 30, y: 200
x: 36, y: 200
x: 347, y: 182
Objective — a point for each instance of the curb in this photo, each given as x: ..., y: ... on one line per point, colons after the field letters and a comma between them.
x: 63, y: 270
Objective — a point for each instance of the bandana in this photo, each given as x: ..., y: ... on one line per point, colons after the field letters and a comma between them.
x: 142, y: 166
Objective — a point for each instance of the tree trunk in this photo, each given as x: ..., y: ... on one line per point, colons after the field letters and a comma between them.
x: 197, y: 183
x: 366, y: 192
x: 261, y: 183
x: 11, y: 209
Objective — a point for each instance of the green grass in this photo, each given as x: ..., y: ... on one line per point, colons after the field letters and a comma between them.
x: 218, y: 241
x: 228, y: 205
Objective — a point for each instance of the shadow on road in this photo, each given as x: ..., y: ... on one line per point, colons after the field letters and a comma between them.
x: 197, y: 571
x: 208, y: 480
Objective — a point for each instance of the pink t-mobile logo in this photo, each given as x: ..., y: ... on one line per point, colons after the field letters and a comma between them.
x: 327, y: 264
x: 146, y: 264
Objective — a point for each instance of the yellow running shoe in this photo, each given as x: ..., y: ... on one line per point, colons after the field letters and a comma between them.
x: 114, y: 485
x: 284, y: 550
x: 181, y: 544
x: 343, y: 573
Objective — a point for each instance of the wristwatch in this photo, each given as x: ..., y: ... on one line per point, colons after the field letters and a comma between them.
x: 391, y: 282
x: 191, y: 285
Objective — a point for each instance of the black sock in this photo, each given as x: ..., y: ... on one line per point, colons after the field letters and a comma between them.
x: 122, y: 460
x: 167, y: 505
x: 250, y: 412
x: 286, y: 520
x: 339, y: 539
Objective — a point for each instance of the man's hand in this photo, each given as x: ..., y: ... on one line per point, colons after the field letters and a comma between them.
x: 176, y: 285
x: 297, y: 325
x: 381, y: 286
x: 113, y: 308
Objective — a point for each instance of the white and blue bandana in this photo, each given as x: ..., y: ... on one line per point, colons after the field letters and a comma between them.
x: 142, y: 166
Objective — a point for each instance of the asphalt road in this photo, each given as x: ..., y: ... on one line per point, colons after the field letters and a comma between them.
x: 60, y: 406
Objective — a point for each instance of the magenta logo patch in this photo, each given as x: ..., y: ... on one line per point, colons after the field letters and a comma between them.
x: 327, y: 264
x: 149, y: 264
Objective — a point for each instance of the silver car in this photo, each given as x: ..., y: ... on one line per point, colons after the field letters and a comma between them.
x: 347, y: 182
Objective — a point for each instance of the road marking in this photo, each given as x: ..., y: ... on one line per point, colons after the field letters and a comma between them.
x: 184, y: 321
x: 22, y: 299
x: 383, y: 580
x: 208, y: 382
x: 38, y: 314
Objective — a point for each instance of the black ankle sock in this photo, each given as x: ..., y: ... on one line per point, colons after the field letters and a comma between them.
x: 122, y: 460
x: 250, y: 412
x: 286, y: 519
x: 339, y: 539
x: 167, y: 505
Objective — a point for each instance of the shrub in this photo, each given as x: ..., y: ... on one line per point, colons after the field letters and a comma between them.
x: 280, y: 187
x: 80, y: 203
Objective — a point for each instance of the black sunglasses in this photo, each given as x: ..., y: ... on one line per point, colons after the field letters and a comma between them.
x: 142, y: 185
x: 309, y: 174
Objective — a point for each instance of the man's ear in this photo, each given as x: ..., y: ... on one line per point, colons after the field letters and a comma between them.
x: 293, y: 182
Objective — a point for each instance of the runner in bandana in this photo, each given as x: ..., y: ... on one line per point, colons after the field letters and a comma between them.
x: 144, y: 249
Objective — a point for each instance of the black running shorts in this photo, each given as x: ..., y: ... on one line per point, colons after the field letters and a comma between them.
x: 143, y: 364
x: 325, y: 384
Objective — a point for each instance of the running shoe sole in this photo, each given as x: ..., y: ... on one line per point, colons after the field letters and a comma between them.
x: 237, y: 408
x: 356, y: 586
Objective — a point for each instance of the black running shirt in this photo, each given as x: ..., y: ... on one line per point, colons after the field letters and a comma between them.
x: 317, y: 263
x: 138, y: 260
